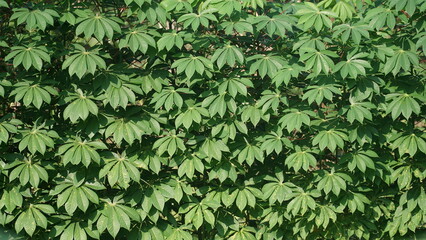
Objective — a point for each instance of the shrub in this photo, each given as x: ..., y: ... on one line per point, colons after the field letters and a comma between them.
x: 220, y: 119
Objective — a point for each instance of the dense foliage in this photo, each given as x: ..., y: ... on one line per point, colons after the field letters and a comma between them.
x: 218, y: 119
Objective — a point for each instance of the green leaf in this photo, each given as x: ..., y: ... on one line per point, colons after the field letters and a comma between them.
x: 229, y: 54
x: 136, y: 40
x: 330, y: 139
x: 194, y: 20
x: 34, y: 18
x: 299, y: 160
x: 97, y: 24
x: 318, y: 61
x: 311, y: 15
x: 83, y: 61
x: 29, y: 56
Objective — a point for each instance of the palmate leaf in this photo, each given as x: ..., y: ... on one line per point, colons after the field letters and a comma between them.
x: 68, y: 17
x: 213, y: 148
x: 151, y: 82
x: 194, y: 113
x: 276, y: 190
x: 324, y: 214
x: 27, y: 170
x: 32, y: 217
x: 379, y: 17
x: 97, y: 25
x: 74, y: 230
x: 80, y: 107
x: 344, y: 9
x: 265, y: 64
x: 407, y: 5
x: 360, y: 159
x: 33, y: 93
x: 225, y: 196
x: 192, y: 64
x: 318, y: 93
x: 150, y: 232
x: 355, y: 201
x: 116, y: 215
x: 169, y: 98
x: 286, y: 74
x: 278, y: 24
x: 233, y: 86
x: 38, y: 139
x: 274, y: 142
x: 401, y: 59
x: 154, y: 12
x: 302, y: 201
x: 237, y: 26
x: 29, y: 56
x: 3, y: 83
x: 120, y: 90
x: 11, y: 198
x: 330, y: 139
x: 311, y: 15
x: 83, y: 61
x: 126, y: 129
x: 120, y: 169
x: 176, y: 5
x: 195, y: 20
x: 353, y: 66
x: 363, y: 134
x: 332, y: 181
x: 421, y: 43
x: 247, y: 232
x: 295, y: 119
x: 318, y: 61
x: 269, y: 105
x: 170, y: 144
x: 121, y: 94
x: 169, y: 40
x: 76, y: 193
x: 403, y: 176
x: 402, y: 103
x: 246, y: 196
x: 274, y: 217
x: 7, y: 127
x: 229, y: 54
x: 271, y: 100
x: 253, y: 113
x: 249, y: 153
x: 34, y: 18
x: 300, y: 159
x: 219, y: 104
x: 410, y: 144
x: 309, y: 42
x: 355, y: 32
x: 180, y: 233
x: 229, y: 129
x: 364, y: 88
x: 189, y: 165
x: 382, y: 52
x: 150, y: 161
x: 137, y: 39
x: 77, y: 151
x: 158, y: 195
x: 3, y: 4
x: 199, y: 212
x: 358, y: 111
x: 254, y: 3
x: 226, y: 7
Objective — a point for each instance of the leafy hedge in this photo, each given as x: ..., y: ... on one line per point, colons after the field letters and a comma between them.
x: 218, y: 119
